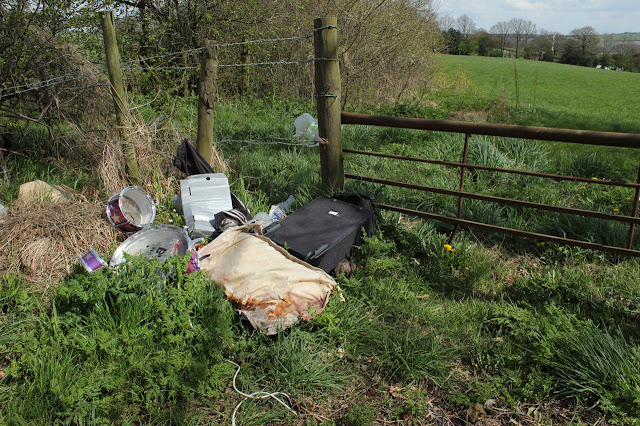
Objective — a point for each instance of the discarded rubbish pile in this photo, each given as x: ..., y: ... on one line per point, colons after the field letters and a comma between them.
x: 324, y: 231
x: 271, y: 286
x: 274, y: 287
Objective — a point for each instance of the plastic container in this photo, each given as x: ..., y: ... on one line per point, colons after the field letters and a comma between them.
x: 279, y: 211
x: 276, y: 212
x: 286, y: 205
x: 264, y: 218
x: 312, y: 132
x: 131, y: 210
x: 92, y: 261
x: 155, y: 242
x: 203, y: 196
x: 3, y: 211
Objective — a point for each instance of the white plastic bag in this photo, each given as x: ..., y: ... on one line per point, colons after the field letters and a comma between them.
x: 306, y: 128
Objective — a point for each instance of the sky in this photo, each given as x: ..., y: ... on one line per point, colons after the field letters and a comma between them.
x: 606, y: 16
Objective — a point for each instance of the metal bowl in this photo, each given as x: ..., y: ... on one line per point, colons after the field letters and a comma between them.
x: 155, y: 242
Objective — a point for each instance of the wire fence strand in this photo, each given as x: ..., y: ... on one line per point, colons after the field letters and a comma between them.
x: 272, y: 63
x: 263, y: 139
x: 159, y: 68
x: 167, y: 55
x: 269, y: 140
x: 270, y: 40
x: 69, y: 77
x: 43, y: 84
x: 240, y: 43
x: 253, y: 64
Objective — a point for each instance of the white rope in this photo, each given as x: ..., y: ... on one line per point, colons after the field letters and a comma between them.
x: 256, y: 395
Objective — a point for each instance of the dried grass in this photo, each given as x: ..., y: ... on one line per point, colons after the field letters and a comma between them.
x: 155, y: 149
x: 102, y: 150
x: 43, y: 240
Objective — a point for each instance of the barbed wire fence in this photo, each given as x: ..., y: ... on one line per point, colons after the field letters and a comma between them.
x: 6, y: 92
x: 264, y: 138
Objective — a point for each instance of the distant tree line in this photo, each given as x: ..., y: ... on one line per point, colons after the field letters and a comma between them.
x: 520, y: 38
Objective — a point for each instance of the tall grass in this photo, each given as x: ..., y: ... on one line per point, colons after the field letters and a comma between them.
x: 598, y: 367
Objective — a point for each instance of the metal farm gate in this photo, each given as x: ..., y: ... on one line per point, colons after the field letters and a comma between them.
x: 624, y: 140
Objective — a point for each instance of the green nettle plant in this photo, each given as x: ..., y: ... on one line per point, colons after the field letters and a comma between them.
x: 134, y: 343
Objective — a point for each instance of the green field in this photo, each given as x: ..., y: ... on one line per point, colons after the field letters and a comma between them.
x: 553, y: 95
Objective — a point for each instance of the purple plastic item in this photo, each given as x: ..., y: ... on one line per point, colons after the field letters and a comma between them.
x: 92, y: 261
x: 194, y: 263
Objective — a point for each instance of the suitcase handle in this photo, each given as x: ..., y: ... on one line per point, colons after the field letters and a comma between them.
x: 271, y: 228
x: 312, y: 255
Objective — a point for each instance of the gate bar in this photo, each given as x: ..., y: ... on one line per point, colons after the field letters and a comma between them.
x: 465, y: 152
x: 634, y: 213
x: 499, y: 200
x: 585, y: 137
x: 527, y: 234
x: 498, y: 169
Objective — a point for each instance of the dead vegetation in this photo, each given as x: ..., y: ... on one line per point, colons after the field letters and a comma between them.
x: 42, y: 240
x: 154, y: 157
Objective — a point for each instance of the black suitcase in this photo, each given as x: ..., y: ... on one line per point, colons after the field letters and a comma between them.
x: 324, y: 231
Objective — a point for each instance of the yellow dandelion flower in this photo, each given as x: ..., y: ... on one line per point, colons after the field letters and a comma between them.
x: 594, y: 178
x: 616, y: 210
x: 448, y: 247
x: 583, y: 187
x: 628, y: 198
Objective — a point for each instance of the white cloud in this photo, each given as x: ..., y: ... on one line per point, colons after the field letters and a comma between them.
x: 526, y: 5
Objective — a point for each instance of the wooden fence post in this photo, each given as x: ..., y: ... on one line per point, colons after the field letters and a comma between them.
x: 117, y: 92
x: 206, y: 103
x: 327, y: 80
